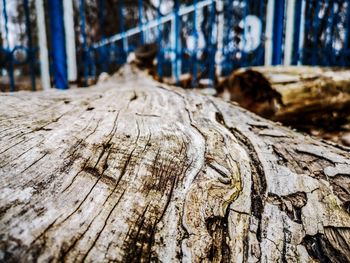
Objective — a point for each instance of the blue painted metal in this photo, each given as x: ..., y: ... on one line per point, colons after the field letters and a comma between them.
x: 85, y: 51
x: 307, y: 28
x: 102, y: 52
x: 195, y: 51
x: 244, y: 60
x: 8, y: 52
x: 27, y: 52
x: 345, y: 54
x: 296, y: 33
x: 316, y: 25
x: 122, y: 31
x: 326, y: 39
x: 159, y: 41
x: 234, y: 52
x: 330, y: 24
x: 211, y: 46
x: 177, y: 51
x: 228, y: 10
x: 58, y: 44
x: 140, y: 7
x: 30, y: 52
x: 278, y: 32
x: 4, y: 11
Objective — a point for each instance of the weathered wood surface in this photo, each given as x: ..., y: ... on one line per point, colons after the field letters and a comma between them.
x: 310, y: 91
x: 134, y: 170
x: 313, y: 99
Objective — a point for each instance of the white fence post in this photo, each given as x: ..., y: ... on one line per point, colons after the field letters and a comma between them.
x: 302, y: 31
x: 269, y: 32
x: 43, y: 53
x: 70, y: 39
x: 288, y: 40
x: 220, y: 37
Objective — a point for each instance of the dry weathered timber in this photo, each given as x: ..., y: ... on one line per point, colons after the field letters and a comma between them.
x: 134, y: 170
x: 313, y: 99
x: 310, y: 90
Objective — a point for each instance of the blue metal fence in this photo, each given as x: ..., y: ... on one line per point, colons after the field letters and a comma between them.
x: 205, y: 38
x: 58, y: 44
x: 187, y: 37
x: 17, y: 56
x: 326, y: 33
x: 244, y: 34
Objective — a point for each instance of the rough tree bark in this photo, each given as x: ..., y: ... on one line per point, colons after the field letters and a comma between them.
x: 134, y: 170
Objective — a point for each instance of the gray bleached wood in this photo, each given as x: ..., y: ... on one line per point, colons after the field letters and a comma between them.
x: 135, y: 170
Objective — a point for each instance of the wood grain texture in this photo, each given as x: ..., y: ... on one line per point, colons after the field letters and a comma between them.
x: 133, y: 170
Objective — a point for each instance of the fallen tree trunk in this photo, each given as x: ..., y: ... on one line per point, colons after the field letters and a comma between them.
x: 312, y: 99
x: 134, y: 170
x: 316, y: 94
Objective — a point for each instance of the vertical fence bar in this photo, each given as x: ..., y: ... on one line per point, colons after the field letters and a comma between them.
x: 30, y: 44
x: 122, y: 30
x: 140, y: 7
x: 243, y: 61
x: 103, y: 51
x: 195, y: 51
x: 173, y: 48
x: 84, y: 44
x: 296, y: 32
x: 262, y: 12
x: 58, y: 44
x: 220, y: 36
x: 288, y: 40
x: 176, y: 42
x: 68, y: 14
x: 226, y: 49
x: 4, y: 12
x: 211, y: 41
x: 346, y: 47
x: 307, y: 36
x: 159, y: 40
x: 302, y: 32
x: 278, y: 32
x: 43, y: 53
x: 315, y: 39
x: 329, y: 61
x: 9, y: 54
